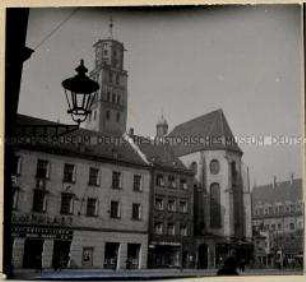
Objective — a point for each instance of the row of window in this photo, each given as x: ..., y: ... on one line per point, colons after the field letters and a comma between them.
x: 92, y: 205
x: 103, y: 56
x: 114, y: 98
x: 172, y: 204
x: 112, y: 254
x: 114, y: 77
x: 279, y: 226
x: 108, y: 115
x: 69, y: 174
x: 171, y: 229
x: 279, y: 209
x: 171, y: 182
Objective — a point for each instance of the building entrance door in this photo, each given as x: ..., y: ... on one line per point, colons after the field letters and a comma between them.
x: 33, y: 249
x: 111, y: 255
x: 203, y: 256
x: 61, y: 252
x: 133, y: 256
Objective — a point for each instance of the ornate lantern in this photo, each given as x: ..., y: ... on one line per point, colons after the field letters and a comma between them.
x: 80, y: 93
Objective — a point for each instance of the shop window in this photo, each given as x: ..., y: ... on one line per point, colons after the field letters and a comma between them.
x: 133, y: 253
x: 111, y: 255
x: 88, y: 256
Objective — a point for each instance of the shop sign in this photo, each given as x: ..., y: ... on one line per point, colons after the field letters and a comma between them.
x: 42, y: 232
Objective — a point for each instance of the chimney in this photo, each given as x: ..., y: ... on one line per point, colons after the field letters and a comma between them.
x: 274, y: 182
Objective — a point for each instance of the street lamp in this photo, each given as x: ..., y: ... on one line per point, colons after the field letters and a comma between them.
x: 80, y: 93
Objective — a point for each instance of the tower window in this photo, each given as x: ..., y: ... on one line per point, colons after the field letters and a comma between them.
x: 118, y: 100
x: 114, y: 98
x: 118, y: 117
x: 117, y: 79
x: 95, y: 115
x: 107, y: 115
x: 105, y: 52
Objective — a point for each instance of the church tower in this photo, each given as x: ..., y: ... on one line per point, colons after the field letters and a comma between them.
x: 161, y: 127
x: 109, y: 110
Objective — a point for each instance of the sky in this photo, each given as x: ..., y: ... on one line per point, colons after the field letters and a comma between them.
x: 184, y: 62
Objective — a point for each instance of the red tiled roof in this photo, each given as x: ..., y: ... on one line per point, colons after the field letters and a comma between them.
x: 208, y: 132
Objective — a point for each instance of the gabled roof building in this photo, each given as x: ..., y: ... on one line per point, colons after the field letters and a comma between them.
x: 222, y: 196
x: 277, y: 209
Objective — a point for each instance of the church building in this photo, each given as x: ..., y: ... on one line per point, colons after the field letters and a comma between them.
x: 109, y: 111
x: 222, y: 204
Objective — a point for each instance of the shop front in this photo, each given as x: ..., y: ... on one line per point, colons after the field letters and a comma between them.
x: 37, y: 247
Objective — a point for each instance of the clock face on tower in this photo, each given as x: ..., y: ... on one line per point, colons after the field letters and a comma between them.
x: 214, y: 167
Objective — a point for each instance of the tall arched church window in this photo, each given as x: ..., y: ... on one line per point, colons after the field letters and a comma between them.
x: 215, y: 206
